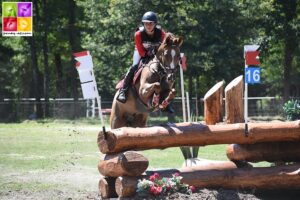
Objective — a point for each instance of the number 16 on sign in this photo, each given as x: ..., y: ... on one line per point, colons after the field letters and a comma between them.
x: 252, y: 75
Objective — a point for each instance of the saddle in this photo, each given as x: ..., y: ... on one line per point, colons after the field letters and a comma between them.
x: 137, y: 75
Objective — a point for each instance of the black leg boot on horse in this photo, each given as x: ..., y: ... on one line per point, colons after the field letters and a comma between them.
x: 122, y: 97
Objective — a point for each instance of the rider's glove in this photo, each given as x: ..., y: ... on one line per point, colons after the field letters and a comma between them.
x: 150, y: 53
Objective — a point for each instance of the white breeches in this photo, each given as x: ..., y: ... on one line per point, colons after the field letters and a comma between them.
x: 136, y: 57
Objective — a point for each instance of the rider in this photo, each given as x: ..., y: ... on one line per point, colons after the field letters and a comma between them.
x: 147, y: 40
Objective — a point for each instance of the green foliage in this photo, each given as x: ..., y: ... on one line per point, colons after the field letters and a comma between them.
x: 214, y: 35
x: 292, y: 109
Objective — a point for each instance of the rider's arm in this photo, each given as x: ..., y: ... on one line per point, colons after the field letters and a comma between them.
x: 139, y: 44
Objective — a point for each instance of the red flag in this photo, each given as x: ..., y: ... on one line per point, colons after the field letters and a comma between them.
x: 79, y: 54
x: 183, y: 63
x: 251, y: 58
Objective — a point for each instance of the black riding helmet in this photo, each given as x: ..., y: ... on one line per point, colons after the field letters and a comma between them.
x: 149, y: 17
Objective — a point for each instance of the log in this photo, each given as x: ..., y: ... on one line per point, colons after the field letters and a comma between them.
x: 126, y: 186
x: 195, y: 134
x: 107, y: 187
x: 128, y: 163
x: 271, y: 152
x: 266, y: 178
x: 234, y: 106
x: 213, y: 101
x: 278, y: 177
x: 208, y: 164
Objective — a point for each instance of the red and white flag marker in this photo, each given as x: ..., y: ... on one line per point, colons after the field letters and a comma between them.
x: 252, y: 74
x: 85, y: 68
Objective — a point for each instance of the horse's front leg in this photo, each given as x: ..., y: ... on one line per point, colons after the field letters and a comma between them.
x: 147, y: 90
x: 167, y: 100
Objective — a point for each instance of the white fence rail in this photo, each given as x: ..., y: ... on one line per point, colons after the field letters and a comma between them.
x: 13, y: 109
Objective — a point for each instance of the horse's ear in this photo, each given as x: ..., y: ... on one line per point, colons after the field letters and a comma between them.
x: 168, y: 39
x: 178, y: 41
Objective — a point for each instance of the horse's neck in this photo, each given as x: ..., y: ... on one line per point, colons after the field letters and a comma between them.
x: 153, y: 65
x: 148, y: 75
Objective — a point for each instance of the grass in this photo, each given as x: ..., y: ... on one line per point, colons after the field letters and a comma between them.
x: 47, y: 145
x: 33, y: 152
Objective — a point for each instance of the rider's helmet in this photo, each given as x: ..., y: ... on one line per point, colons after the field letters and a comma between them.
x: 149, y: 17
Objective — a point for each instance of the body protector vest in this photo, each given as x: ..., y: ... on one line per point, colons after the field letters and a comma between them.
x: 151, y: 43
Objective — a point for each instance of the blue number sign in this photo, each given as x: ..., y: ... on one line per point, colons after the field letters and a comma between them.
x: 252, y: 75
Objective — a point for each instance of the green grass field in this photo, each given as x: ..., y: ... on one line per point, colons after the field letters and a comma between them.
x: 47, y: 155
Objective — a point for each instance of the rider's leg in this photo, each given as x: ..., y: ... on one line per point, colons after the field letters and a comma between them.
x: 122, y: 97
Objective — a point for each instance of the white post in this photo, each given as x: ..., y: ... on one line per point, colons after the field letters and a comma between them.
x: 93, y: 108
x: 100, y: 109
x: 188, y: 106
x: 182, y: 91
x: 246, y: 99
x: 87, y: 108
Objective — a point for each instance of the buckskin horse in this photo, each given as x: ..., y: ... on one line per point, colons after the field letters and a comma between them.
x: 153, y: 90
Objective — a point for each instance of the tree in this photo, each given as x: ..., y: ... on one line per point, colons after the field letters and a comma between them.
x: 282, y: 28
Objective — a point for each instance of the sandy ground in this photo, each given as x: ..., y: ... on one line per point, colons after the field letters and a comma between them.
x: 82, y: 183
x: 72, y: 183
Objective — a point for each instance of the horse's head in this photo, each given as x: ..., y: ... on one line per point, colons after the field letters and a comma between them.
x: 168, y: 54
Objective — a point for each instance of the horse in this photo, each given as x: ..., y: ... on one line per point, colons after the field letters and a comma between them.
x: 153, y: 90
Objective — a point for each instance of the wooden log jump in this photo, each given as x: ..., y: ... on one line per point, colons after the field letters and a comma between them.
x: 278, y: 177
x: 234, y: 105
x: 195, y: 134
x: 271, y: 152
x: 213, y: 101
x: 128, y: 163
x: 107, y: 187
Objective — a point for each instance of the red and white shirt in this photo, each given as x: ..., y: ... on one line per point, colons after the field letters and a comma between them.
x: 145, y: 43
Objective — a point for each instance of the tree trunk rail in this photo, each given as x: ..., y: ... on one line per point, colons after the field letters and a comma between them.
x: 195, y: 134
x: 266, y: 151
x: 278, y: 177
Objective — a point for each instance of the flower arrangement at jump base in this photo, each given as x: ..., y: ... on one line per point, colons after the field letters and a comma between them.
x: 159, y: 186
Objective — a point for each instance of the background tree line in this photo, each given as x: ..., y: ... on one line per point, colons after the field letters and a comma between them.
x: 214, y: 32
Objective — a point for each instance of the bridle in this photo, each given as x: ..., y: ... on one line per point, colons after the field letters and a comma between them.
x: 163, y: 69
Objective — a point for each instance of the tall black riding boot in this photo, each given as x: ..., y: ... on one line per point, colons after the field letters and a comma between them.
x: 127, y: 81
